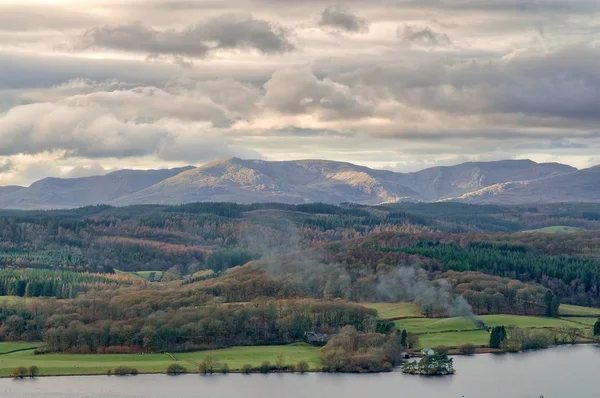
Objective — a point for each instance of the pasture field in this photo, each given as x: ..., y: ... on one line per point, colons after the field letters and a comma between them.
x: 454, y: 339
x: 576, y: 310
x: 7, y: 347
x: 237, y: 357
x: 395, y: 310
x: 71, y: 364
x: 587, y: 321
x: 453, y: 332
x: 435, y: 325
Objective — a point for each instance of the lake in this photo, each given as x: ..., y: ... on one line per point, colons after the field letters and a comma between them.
x: 564, y: 372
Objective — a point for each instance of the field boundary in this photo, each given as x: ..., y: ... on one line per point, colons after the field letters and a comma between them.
x: 18, y: 350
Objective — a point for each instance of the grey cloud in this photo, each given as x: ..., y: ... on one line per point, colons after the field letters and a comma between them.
x: 296, y: 91
x: 338, y: 17
x: 21, y: 71
x: 137, y: 37
x: 529, y: 87
x: 423, y: 35
x: 243, y: 32
x: 79, y: 131
x: 229, y: 31
x: 134, y: 122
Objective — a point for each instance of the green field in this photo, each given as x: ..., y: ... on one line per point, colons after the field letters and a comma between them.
x: 237, y: 357
x: 454, y: 339
x: 567, y: 310
x: 395, y: 310
x: 65, y: 364
x: 556, y: 230
x: 586, y: 321
x: 15, y: 346
x: 452, y: 332
x: 435, y: 325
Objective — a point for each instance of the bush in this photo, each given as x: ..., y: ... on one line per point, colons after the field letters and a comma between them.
x: 302, y: 367
x: 224, y: 368
x: 125, y: 371
x: 467, y: 349
x: 246, y: 369
x: 34, y: 371
x: 266, y: 367
x: 109, y: 372
x: 442, y: 350
x: 176, y: 369
x: 19, y: 373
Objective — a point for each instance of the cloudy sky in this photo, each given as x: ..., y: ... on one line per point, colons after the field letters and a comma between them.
x: 89, y: 86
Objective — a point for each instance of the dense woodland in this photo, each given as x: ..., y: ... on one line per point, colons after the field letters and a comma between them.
x: 269, y: 273
x: 104, y: 239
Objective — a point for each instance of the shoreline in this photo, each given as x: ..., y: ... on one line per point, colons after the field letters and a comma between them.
x: 480, y: 351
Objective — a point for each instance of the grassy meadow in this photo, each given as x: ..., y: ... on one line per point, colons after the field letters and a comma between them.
x: 575, y: 310
x: 437, y: 325
x: 81, y: 364
x: 479, y: 338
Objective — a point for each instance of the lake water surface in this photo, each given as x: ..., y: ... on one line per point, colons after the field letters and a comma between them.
x: 564, y: 372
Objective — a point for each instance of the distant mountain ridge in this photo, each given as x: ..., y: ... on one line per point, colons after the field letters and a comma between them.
x: 578, y: 186
x: 303, y: 181
x: 60, y: 193
x: 9, y: 189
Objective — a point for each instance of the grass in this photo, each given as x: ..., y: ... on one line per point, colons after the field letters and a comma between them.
x: 433, y: 325
x: 68, y: 364
x: 395, y: 310
x: 452, y: 332
x: 454, y: 339
x: 582, y: 320
x: 237, y: 357
x: 15, y: 346
x: 567, y: 310
x: 10, y: 299
x: 560, y: 229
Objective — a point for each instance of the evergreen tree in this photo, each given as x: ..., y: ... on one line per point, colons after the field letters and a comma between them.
x: 403, y: 336
x: 497, y: 336
x: 552, y: 304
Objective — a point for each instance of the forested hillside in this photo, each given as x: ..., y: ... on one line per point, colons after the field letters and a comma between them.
x: 189, y: 238
x: 177, y: 278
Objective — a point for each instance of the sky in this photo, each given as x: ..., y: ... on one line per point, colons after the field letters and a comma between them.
x: 90, y: 86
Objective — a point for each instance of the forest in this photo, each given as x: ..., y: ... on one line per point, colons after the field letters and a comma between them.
x: 211, y: 275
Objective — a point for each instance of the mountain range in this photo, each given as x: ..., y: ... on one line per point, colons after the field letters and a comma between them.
x: 302, y: 181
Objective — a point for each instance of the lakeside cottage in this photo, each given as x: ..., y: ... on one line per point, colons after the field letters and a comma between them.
x: 428, y: 351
